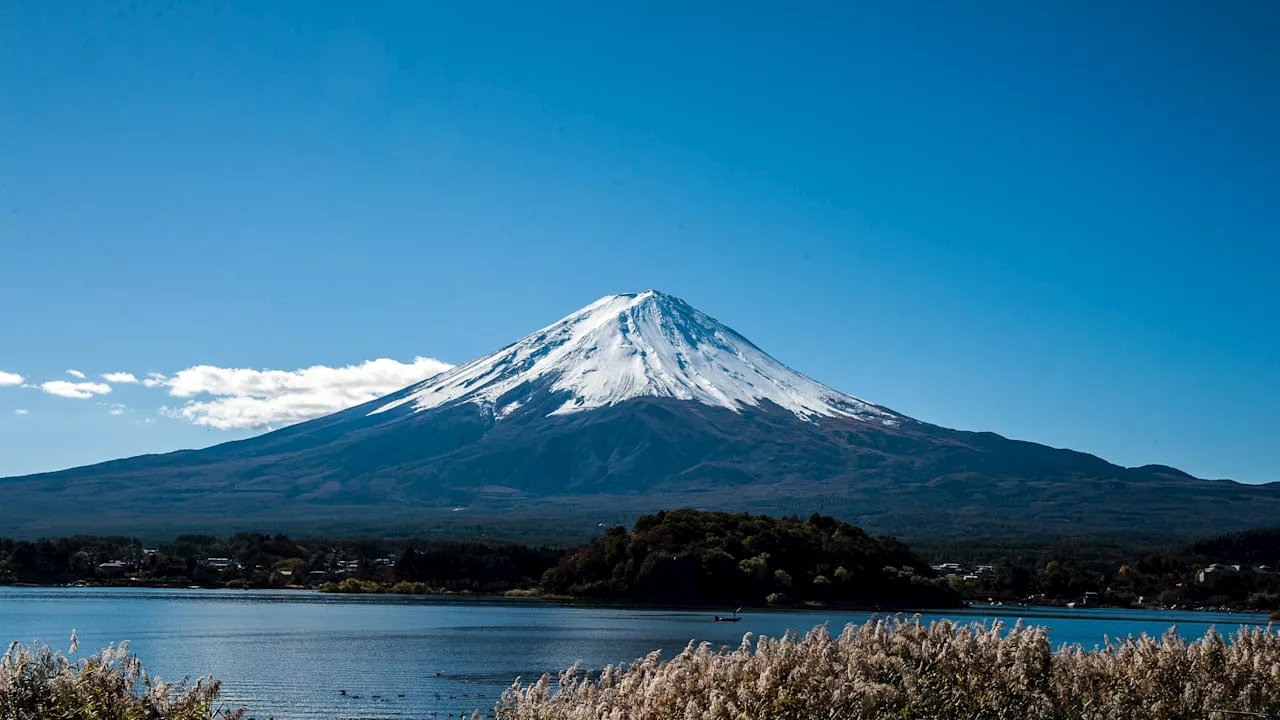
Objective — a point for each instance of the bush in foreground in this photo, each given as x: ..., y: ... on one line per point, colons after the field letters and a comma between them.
x: 905, y: 670
x: 38, y: 683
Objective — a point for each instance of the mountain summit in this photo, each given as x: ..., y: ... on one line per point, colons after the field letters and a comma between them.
x: 635, y: 403
x: 622, y: 347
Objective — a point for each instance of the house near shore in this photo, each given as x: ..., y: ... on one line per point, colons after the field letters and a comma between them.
x: 1217, y: 572
x: 114, y: 568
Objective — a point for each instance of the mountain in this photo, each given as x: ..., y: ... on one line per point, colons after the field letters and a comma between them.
x: 624, y: 347
x: 636, y: 402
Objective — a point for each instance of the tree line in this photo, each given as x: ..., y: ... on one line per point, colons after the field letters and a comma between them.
x: 688, y: 557
x: 1236, y: 571
x: 680, y: 557
x: 258, y: 560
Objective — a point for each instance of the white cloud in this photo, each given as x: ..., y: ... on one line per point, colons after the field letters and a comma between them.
x: 78, y: 391
x: 76, y: 374
x: 8, y: 378
x: 122, y: 378
x: 243, y: 398
x: 21, y: 411
x: 154, y: 379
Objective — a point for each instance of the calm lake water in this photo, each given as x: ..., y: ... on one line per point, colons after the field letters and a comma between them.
x: 287, y: 654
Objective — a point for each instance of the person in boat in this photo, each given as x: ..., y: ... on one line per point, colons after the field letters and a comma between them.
x: 735, y: 617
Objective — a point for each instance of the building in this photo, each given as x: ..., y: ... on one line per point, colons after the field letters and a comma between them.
x: 1217, y: 572
x: 115, y: 568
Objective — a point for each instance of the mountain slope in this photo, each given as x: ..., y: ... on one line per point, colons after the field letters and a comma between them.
x: 635, y: 403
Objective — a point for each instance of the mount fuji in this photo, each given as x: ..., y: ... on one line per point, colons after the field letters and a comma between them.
x: 634, y: 403
x: 624, y: 347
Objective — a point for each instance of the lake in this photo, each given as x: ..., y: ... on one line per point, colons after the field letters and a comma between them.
x: 286, y: 654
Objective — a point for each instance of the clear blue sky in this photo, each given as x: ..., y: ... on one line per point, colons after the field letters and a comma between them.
x: 1060, y: 222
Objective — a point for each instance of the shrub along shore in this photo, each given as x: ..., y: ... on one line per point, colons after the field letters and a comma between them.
x: 887, y: 669
x: 904, y: 670
x: 38, y: 683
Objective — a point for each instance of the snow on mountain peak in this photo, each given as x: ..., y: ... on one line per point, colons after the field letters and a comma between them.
x: 635, y: 345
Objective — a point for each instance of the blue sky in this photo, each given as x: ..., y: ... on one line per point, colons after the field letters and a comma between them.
x: 1055, y: 221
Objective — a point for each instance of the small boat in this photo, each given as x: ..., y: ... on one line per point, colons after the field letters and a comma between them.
x: 734, y: 618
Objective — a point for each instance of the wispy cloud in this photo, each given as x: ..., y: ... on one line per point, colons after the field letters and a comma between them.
x: 76, y: 374
x: 22, y: 411
x: 121, y: 378
x: 114, y: 408
x: 154, y: 379
x: 244, y: 398
x: 8, y: 378
x: 74, y: 390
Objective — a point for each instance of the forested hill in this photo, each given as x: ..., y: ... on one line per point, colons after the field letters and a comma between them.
x: 695, y: 557
x: 1260, y: 546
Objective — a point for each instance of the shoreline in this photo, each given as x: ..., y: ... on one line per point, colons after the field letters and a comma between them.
x: 969, y: 609
x: 510, y: 595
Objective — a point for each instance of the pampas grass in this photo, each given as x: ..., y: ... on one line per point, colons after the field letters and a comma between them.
x: 903, y: 669
x: 38, y: 683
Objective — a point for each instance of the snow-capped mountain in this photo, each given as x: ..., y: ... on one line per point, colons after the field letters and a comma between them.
x: 633, y: 404
x: 622, y: 347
